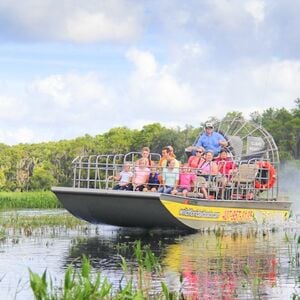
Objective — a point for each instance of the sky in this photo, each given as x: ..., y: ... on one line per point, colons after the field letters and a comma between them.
x: 75, y: 67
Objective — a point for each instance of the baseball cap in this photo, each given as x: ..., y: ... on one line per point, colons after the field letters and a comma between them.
x: 209, y: 125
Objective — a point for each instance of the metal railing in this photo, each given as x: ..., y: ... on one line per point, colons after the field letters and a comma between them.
x: 93, y: 171
x: 247, y: 181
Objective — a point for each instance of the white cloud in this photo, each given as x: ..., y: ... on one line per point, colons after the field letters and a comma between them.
x: 54, y: 88
x: 90, y: 27
x: 18, y: 135
x: 11, y: 109
x: 145, y: 63
x: 79, y: 21
x: 58, y: 106
x: 156, y: 86
x: 256, y: 8
x: 71, y: 91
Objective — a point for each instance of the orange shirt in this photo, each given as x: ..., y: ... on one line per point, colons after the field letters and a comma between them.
x: 194, y: 161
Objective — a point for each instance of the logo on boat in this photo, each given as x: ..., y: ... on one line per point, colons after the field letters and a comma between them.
x: 198, y: 213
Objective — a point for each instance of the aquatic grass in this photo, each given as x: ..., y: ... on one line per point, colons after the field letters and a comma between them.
x: 28, y: 225
x: 76, y: 285
x: 147, y: 263
x: 14, y: 200
x: 84, y: 283
x: 293, y: 250
x: 2, y: 234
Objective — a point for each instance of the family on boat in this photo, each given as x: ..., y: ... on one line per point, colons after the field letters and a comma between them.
x: 233, y: 163
x: 209, y: 165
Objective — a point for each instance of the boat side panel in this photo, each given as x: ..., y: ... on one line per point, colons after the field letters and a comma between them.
x: 196, y: 216
x: 243, y: 204
x: 119, y: 209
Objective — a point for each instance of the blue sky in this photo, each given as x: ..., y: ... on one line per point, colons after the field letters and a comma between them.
x: 74, y: 67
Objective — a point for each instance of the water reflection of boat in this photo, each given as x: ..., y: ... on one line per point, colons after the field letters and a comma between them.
x: 107, y: 247
x: 222, y: 267
x: 251, y: 195
x: 227, y: 265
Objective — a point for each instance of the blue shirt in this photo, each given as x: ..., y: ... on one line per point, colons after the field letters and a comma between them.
x: 210, y: 142
x: 170, y: 176
x: 153, y: 180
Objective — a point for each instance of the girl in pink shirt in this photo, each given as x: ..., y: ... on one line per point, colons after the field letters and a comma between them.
x: 208, y: 167
x: 141, y: 175
x: 186, y: 180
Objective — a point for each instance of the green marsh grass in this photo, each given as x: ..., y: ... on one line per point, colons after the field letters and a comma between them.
x: 85, y: 284
x: 15, y: 200
x: 38, y: 224
x: 2, y: 234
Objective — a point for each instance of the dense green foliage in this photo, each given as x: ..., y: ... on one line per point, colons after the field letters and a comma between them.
x: 9, y: 200
x: 28, y: 167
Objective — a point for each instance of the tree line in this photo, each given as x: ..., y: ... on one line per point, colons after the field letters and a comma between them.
x: 39, y: 166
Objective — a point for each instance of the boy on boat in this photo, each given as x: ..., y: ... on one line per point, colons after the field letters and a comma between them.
x: 167, y: 156
x: 153, y: 181
x: 169, y: 178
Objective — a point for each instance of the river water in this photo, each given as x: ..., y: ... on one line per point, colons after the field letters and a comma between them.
x: 239, y: 263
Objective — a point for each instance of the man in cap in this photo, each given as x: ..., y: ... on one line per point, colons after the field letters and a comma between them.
x: 211, y: 140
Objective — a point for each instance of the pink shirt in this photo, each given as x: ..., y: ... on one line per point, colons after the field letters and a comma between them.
x: 186, y: 179
x: 141, y: 175
x: 209, y: 167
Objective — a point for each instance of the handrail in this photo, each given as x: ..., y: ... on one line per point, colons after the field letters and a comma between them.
x: 96, y: 171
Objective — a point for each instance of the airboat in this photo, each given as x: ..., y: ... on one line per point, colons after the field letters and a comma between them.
x: 256, y: 158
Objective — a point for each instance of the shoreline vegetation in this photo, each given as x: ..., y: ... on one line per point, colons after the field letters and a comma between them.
x: 37, y: 167
x: 30, y: 200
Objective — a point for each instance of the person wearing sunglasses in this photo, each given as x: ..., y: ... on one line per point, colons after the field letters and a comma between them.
x: 196, y: 159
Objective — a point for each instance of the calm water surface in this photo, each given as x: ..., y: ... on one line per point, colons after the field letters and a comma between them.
x: 242, y: 263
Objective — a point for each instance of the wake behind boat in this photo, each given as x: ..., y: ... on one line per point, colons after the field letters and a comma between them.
x: 250, y: 194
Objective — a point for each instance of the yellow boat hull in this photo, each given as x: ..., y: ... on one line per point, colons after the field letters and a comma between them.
x: 198, y: 216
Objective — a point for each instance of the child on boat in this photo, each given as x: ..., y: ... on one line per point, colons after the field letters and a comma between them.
x: 141, y: 175
x: 167, y: 156
x: 187, y: 181
x: 153, y: 181
x: 170, y: 178
x: 124, y: 178
x: 226, y: 168
x: 146, y: 155
x: 208, y: 169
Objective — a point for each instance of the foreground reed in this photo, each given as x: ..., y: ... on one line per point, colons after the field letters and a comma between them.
x: 84, y: 284
x: 13, y: 200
